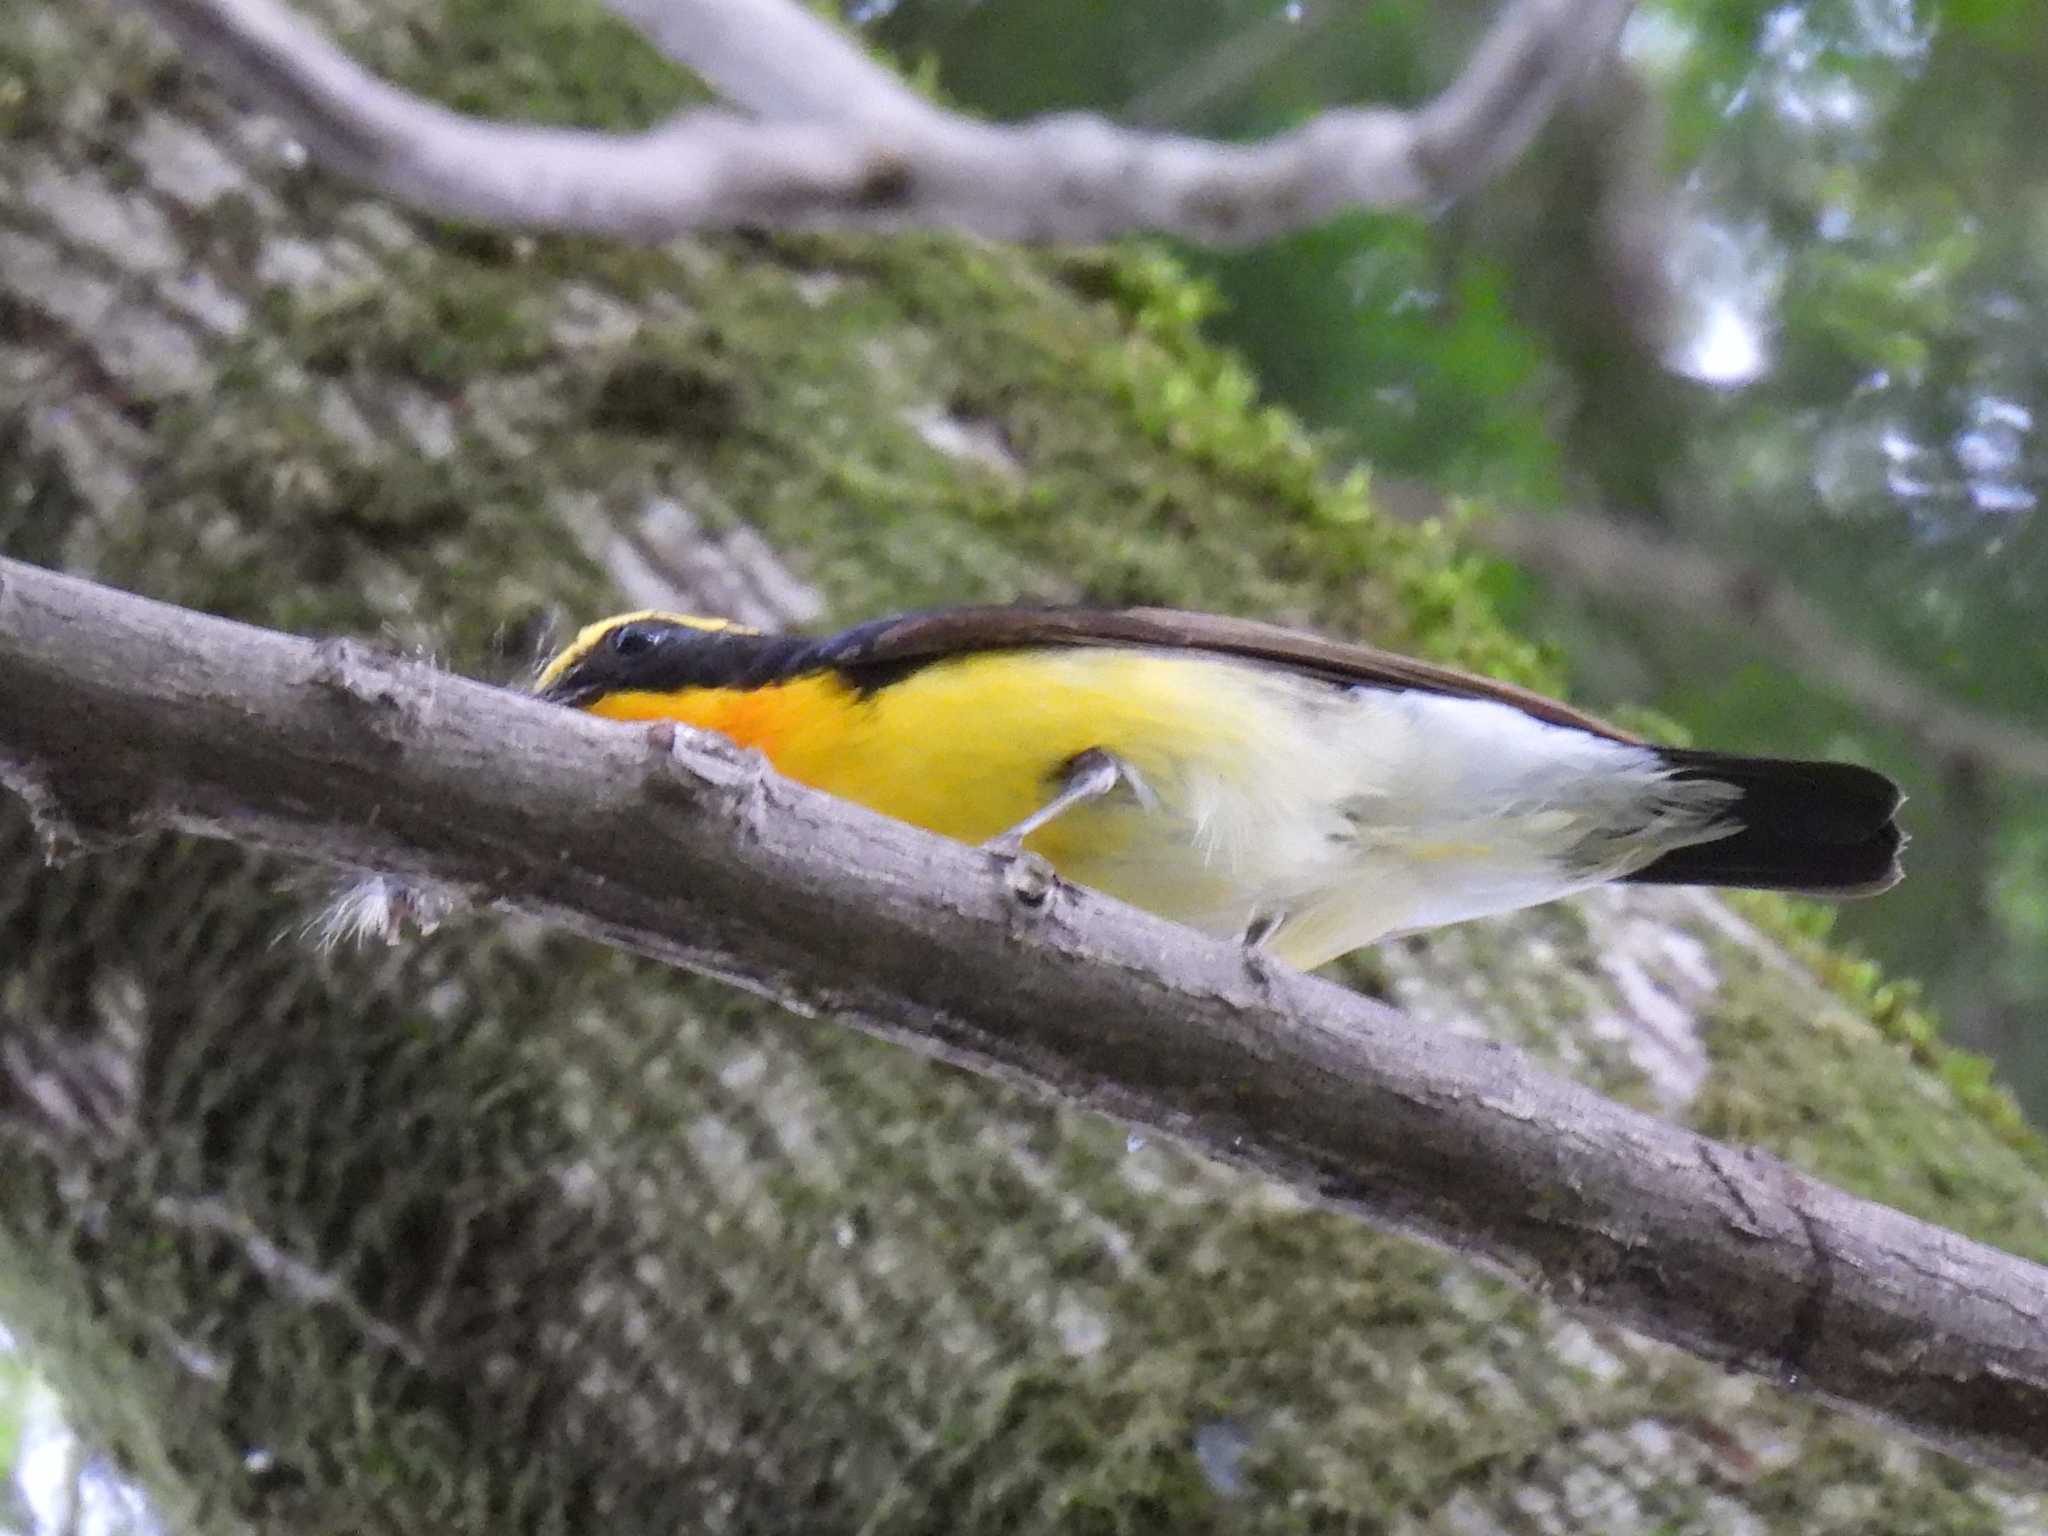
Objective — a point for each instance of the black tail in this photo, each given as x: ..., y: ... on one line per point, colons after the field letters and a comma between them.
x: 1822, y: 828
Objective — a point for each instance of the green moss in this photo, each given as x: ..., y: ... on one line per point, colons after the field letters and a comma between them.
x: 23, y: 97
x: 1896, y: 1010
x: 1928, y: 1496
x: 1826, y: 1095
x: 669, y: 398
x: 42, y: 67
x: 1131, y: 439
x: 537, y: 61
x: 437, y: 322
x: 1143, y: 1475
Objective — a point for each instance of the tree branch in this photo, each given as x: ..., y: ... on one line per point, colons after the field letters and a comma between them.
x: 837, y: 141
x: 123, y: 713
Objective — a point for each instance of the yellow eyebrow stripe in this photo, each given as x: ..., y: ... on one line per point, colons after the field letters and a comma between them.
x: 590, y: 636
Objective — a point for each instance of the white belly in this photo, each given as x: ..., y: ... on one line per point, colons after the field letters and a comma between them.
x: 1345, y: 815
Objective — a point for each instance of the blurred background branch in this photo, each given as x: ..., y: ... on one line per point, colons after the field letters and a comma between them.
x: 1609, y: 559
x: 835, y: 140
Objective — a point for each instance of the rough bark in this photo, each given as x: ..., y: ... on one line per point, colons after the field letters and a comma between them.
x: 504, y: 1232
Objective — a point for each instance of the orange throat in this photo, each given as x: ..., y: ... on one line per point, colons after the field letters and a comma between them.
x: 772, y: 720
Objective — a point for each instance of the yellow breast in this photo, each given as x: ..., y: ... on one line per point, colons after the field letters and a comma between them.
x: 969, y: 747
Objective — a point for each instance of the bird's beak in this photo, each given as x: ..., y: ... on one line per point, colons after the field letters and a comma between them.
x: 571, y: 691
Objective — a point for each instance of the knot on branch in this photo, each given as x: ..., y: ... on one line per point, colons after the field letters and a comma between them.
x: 702, y: 769
x: 369, y: 682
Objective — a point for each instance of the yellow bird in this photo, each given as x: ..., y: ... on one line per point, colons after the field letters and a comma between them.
x: 1306, y: 795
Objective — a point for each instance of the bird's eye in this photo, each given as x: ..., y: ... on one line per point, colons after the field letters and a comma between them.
x: 632, y: 640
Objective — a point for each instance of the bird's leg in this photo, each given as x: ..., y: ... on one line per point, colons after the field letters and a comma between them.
x: 1260, y: 932
x: 1087, y: 776
x: 1252, y: 942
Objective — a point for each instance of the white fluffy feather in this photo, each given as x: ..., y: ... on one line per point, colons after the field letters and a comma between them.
x: 1352, y: 813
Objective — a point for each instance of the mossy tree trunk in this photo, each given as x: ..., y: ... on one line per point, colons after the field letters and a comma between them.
x: 501, y: 1232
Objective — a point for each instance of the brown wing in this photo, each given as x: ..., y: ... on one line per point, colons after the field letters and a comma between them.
x: 887, y: 648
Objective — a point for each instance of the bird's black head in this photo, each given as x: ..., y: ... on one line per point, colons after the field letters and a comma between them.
x: 667, y: 653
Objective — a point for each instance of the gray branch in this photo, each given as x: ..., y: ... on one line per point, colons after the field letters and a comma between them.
x: 117, y: 713
x: 1596, y: 554
x: 829, y: 138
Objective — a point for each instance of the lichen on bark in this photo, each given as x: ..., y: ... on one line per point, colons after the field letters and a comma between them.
x: 497, y: 1231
